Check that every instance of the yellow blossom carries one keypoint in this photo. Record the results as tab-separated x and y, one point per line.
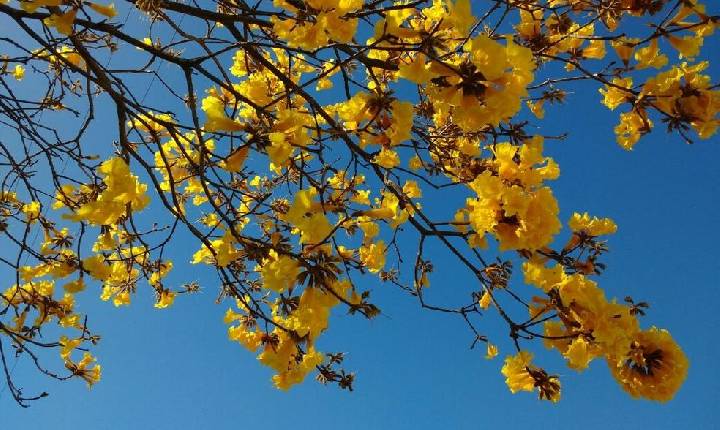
411	189
516	372
387	158
485	300
654	368
165	299
521	375
62	22
19	72
279	272
650	56
618	93
492	351
31	211
687	46
372	256
107	10
122	190
593	226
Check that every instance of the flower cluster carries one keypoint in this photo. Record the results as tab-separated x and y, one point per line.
292	193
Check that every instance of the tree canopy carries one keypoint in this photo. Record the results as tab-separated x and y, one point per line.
304	145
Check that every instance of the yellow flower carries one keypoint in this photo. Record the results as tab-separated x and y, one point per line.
165	299
411	189
311	316
492	351
31	211
105	242
240	64
107	10
415	163
81	369
249	339
234	162
68	345
485	300
280	149
62	22
122	189
96	267
624	48
488	56
19	72
595	49
545	278
121	297
477	241
402	121
416	71
618	93
297	371
592	226
217	120
387	158
515	370
536	108
33	5
224	252
650	56
632	126
521	375
279	272
323	84
339	29
7	197
152	122
372	256
75	286
578	354
687	47
654	368
530	22
379	213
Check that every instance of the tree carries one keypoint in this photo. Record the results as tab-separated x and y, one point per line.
295	142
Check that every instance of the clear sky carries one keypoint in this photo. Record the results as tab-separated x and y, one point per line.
176	369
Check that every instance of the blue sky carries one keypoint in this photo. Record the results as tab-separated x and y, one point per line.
175	368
